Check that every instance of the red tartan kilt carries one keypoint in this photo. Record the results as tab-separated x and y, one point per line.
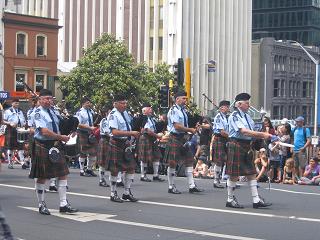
116	161
11	139
148	151
85	147
103	148
42	167
175	153
219	151
240	160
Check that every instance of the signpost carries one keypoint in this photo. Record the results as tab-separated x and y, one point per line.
212	66
4	95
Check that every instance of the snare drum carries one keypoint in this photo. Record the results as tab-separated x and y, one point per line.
22	135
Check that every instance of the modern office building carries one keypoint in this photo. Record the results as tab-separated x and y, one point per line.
297	20
158	31
283	79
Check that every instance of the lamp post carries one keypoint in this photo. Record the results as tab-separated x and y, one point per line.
316	100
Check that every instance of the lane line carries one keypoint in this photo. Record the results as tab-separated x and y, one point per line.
88	217
290	191
239	212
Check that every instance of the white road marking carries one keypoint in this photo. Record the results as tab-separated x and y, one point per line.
239	212
296	192
88	217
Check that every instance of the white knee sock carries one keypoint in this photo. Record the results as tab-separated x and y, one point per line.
128	179
142	166
254	190
113	180
101	174
156	169
21	155
119	177
216	170
171	172
88	163
62	189
40	192
52	182
9	156
189	174
81	163
230	187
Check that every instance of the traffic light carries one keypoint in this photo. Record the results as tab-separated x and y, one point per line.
164	96
178	71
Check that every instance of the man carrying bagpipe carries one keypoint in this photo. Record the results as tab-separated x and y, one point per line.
87	142
177	150
48	158
148	150
14	119
219	145
120	156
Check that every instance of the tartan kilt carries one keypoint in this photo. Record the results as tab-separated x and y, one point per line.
148	151
103	149
42	167
116	161
176	153
85	147
11	140
219	151
240	159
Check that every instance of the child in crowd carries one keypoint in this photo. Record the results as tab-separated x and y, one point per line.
311	175
201	169
261	164
288	172
284	137
274	159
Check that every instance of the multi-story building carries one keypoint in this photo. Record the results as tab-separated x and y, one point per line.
297	20
283	79
158	31
30	52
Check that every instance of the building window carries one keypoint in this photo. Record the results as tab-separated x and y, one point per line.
151	17
21	44
283	88
40	81
151	43
276	88
160	17
311	90
20	80
276	112
41	45
304	89
160	43
290	89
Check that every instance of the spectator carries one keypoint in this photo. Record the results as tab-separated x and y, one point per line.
284	135
274	158
288	172
311	175
301	141
261	164
201	169
267	126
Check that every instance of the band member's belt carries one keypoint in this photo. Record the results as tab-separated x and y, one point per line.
48	143
220	136
178	135
105	137
243	141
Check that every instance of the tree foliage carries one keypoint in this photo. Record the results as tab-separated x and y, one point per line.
106	69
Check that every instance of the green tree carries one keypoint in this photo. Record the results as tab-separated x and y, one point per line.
106	69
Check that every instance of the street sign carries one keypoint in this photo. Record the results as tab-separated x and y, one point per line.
314	140
212	66
4	95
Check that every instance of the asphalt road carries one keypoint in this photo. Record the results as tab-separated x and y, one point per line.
159	215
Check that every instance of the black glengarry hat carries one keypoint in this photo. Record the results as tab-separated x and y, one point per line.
45	92
224	103
242	97
180	94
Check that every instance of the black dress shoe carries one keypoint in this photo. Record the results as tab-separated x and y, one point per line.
129	197
157	179
82	174
233	204
195	189
145	179
104	184
90	173
53	189
217	185
261	204
68	209
174	190
43	209
115	198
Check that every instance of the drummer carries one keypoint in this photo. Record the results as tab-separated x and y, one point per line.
13	117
